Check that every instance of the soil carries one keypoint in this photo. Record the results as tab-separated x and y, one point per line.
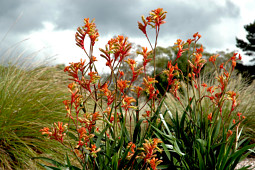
246	162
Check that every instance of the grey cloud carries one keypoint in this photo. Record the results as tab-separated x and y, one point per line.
111	16
187	18
120	17
123	15
114	16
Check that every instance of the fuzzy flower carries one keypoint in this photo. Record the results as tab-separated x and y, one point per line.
156	17
122	85
131	152
204	84
209	117
196	36
145	53
180	44
143	26
138	90
197	63
119	47
213	58
56	133
126	103
149	87
233	60
230	132
150	147
88	29
154	162
155	20
93	150
93	77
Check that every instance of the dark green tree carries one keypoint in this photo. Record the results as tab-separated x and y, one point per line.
248	46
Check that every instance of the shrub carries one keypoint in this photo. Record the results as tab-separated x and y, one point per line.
28	98
119	132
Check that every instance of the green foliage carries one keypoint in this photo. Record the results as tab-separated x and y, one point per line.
115	153
164	55
124	132
29	99
201	145
248	47
246	99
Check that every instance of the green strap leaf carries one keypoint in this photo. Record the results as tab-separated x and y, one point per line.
51	161
201	160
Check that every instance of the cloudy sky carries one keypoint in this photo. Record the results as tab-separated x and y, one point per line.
50	25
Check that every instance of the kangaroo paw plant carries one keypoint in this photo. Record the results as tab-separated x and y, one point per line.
121	122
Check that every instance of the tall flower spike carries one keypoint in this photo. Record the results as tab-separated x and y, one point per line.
74	68
150	147
171	72
157	17
180	44
132	65
138	90
213	58
233	59
93	77
197	63
149	87
88	29
57	131
145	53
141	26
154	162
122	85
196	36
126	103
119	47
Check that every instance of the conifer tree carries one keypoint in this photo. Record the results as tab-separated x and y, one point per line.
248	46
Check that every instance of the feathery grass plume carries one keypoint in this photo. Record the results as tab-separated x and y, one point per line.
245	94
246	105
31	96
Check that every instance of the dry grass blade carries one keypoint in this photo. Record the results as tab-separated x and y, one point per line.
30	98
